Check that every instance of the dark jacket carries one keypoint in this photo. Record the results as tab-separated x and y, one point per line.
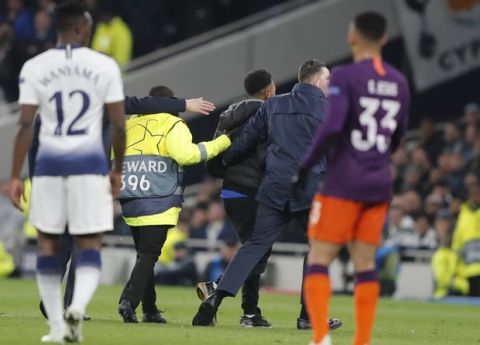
245	176
133	105
288	124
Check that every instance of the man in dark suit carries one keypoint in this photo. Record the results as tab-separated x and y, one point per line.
287	123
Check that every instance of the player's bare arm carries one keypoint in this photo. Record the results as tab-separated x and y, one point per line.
23	141
116	114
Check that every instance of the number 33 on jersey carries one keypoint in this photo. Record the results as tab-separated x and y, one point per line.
367	113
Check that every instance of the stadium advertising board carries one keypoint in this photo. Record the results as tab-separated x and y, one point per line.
442	38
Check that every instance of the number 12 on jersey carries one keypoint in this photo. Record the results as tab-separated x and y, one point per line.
367	119
58	99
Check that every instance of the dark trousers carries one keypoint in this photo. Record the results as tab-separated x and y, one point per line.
67	252
474	283
269	224
140	287
242	213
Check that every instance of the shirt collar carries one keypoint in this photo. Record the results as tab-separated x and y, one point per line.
308	88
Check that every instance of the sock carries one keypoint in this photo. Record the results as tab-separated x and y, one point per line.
317	293
49	285
87	278
367	290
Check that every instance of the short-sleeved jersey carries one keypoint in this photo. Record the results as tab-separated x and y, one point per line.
70	85
366	118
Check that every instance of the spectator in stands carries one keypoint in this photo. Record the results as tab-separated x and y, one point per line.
7	266
470	138
178	234
48	6
112	35
429	139
219	227
9	66
11	224
419	159
443	189
471	114
423	237
182	271
466	239
456	172
43	37
447	268
411	178
199	221
453	142
387	262
399	225
208	191
399	164
433	203
20	17
412	203
215	268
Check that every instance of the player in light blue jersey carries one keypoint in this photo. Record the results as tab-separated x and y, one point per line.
69	86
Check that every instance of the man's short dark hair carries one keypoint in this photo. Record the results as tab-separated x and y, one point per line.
309	68
256	81
371	25
68	14
161	91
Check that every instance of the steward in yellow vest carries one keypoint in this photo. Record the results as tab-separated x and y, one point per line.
448	268
466	240
157	148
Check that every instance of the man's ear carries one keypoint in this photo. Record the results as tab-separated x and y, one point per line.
384	40
352	37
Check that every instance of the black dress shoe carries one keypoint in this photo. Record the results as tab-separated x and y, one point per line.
155	317
126	311
86	317
206	312
333	324
205	289
257	320
303	324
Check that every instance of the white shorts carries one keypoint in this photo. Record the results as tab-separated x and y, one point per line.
84	202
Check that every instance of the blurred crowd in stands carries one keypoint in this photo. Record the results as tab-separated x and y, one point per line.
123	28
436	204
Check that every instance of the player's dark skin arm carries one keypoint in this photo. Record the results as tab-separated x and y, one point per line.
23	141
116	115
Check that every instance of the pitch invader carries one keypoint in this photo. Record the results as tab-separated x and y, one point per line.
69	86
366	119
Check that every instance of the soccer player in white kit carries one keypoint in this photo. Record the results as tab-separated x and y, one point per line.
68	86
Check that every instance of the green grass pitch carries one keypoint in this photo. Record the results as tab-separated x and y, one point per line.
398	323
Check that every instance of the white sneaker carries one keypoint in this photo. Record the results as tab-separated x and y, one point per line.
325	341
73	319
54	337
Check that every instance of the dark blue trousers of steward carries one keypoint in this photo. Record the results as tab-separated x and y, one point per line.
268	226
